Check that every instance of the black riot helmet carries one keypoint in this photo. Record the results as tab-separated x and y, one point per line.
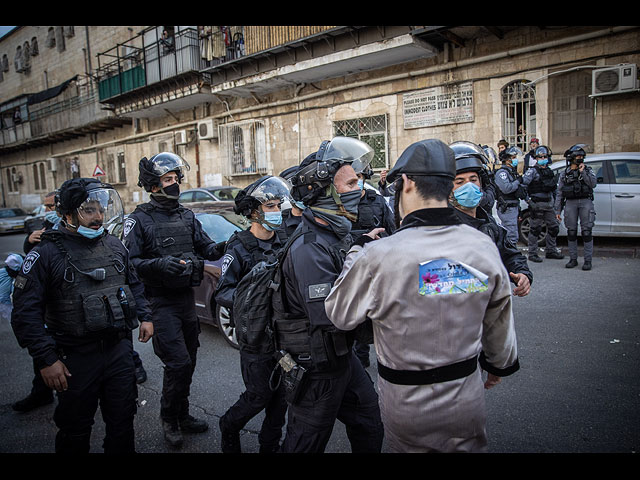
430	157
81	194
317	170
261	191
543	151
152	169
574	151
469	157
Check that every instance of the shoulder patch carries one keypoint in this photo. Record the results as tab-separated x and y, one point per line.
319	291
129	223
31	258
20	282
502	174
226	261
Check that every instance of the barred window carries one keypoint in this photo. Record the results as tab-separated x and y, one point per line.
519	114
371	130
245	147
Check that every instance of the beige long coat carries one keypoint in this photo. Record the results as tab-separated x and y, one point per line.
415	330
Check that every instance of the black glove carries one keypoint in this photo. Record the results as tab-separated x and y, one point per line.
168	266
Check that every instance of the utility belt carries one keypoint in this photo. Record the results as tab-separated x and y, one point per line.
503	204
99	344
426	377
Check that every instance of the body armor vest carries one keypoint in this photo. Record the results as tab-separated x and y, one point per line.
173	237
514	197
369	215
544	186
573	187
325	348
94	295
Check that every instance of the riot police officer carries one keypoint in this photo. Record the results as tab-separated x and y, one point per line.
261	203
575	195
324	380
291	217
509	191
541	188
166	246
78	282
466	197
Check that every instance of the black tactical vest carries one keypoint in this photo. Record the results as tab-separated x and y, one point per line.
370	215
173	236
94	295
513	197
544	185
574	187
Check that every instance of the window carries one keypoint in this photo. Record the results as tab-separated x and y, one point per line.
372	131
245	146
570	110
626	171
519	114
115	168
39	179
13	178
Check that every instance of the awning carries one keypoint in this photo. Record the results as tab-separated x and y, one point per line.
49	92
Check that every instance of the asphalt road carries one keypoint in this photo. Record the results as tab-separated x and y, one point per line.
578	390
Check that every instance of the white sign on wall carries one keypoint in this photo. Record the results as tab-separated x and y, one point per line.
438	106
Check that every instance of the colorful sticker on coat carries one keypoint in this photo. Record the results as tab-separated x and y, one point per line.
446	277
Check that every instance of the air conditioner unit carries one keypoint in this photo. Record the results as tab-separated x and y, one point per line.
611	80
181	137
207	130
52	164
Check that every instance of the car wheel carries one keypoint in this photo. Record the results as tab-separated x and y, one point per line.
224	325
524	225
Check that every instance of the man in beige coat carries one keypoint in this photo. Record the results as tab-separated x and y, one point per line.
444	306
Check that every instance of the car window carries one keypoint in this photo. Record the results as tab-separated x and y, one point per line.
12	212
217	227
226	194
201	197
626	171
598	170
186	197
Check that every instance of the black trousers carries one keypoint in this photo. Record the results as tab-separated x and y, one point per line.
175	342
101	373
347	395
256	371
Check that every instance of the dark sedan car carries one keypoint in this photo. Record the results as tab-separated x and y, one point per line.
220	222
209	194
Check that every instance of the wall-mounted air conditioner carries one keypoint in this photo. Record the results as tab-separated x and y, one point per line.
621	78
207	129
52	164
181	137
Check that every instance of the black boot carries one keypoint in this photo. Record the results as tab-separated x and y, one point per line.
230	439
586	265
535	258
572	263
32	401
555	255
141	375
190	424
172	433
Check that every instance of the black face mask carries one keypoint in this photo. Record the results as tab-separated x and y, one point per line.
11	273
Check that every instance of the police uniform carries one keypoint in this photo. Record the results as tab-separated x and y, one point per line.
243	251
575	194
446	308
151	233
290	222
337	386
93	341
541	187
509	192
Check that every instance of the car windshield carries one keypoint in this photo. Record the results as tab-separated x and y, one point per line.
12	212
218	227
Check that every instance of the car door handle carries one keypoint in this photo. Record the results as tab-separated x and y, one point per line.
625	195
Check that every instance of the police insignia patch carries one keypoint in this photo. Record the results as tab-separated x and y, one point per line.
29	261
128	225
446	277
319	291
226	261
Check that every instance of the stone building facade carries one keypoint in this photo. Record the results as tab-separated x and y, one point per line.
266	97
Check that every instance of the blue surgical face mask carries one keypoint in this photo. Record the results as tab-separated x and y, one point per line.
274	219
90	232
468	195
514	162
361	184
543	161
52	217
299	204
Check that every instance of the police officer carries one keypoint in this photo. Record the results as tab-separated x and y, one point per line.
291	217
79	283
166	246
51	219
541	186
466	197
446	306
324	379
509	191
261	203
575	195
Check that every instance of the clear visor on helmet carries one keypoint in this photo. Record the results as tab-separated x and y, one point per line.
166	162
514	152
103	207
271	189
490	154
349	150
